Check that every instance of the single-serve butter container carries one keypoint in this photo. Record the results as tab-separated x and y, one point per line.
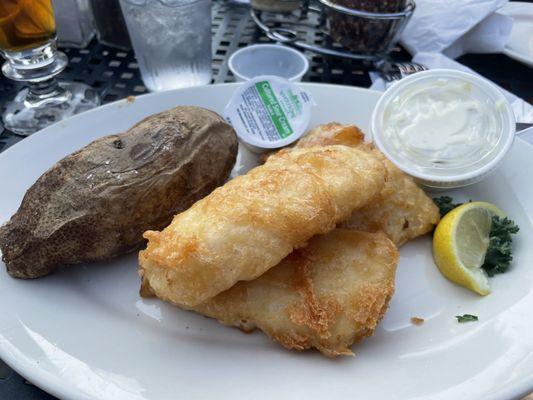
269	112
445	128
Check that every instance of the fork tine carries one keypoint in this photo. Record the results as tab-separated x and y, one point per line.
408	68
401	70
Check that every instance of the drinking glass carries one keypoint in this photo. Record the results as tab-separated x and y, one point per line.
110	25
171	40
75	22
28	43
366	27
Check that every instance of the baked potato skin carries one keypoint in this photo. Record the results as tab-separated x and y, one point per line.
96	203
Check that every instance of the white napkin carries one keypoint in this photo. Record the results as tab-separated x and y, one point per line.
527	135
455	27
489	36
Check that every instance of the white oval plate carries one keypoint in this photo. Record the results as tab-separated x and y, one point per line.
86	334
520	43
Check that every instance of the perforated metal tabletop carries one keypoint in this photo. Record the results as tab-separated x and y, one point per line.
115	74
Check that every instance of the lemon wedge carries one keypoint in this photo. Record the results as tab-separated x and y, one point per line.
460	243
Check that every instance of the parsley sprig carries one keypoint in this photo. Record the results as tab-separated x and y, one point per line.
466	318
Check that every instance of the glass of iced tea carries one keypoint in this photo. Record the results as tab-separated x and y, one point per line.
28	43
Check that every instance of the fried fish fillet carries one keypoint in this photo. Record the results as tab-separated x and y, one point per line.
328	295
249	225
402	210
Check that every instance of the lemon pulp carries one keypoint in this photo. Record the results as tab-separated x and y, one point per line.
460	244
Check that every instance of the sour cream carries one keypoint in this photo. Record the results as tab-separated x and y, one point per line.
443	126
442	123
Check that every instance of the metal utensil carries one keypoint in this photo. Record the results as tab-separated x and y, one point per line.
396	71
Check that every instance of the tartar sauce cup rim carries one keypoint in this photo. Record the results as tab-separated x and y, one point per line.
508	131
274	47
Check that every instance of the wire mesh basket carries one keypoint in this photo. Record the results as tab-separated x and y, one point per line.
355	32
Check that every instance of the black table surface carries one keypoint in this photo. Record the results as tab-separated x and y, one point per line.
114	73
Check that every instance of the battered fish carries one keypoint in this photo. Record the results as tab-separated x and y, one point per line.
250	224
402	210
327	296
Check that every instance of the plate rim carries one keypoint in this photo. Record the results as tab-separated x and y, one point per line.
29	139
51	383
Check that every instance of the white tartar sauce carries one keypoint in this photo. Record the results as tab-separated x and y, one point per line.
442	124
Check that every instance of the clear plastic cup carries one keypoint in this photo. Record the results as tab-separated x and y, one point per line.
439	172
171	40
268	59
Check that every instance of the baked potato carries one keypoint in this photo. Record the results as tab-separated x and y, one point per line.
96	203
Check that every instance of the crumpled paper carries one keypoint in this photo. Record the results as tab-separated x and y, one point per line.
454	27
527	135
441	30
489	36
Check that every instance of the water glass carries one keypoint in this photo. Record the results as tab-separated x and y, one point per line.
110	25
28	44
75	23
171	40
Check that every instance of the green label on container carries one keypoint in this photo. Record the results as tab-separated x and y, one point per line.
273	107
